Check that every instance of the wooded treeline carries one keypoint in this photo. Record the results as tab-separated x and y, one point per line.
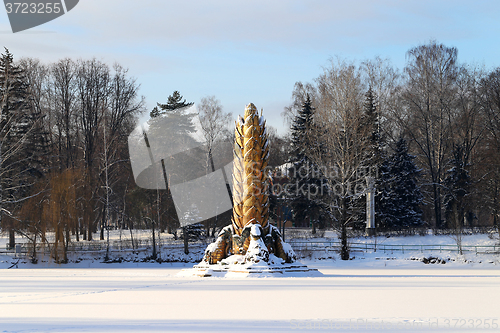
428	135
426	138
55	120
64	157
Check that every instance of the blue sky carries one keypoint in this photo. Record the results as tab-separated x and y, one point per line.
253	51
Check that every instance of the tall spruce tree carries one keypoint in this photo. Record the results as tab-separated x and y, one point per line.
179	125
374	156
308	188
400	196
371	127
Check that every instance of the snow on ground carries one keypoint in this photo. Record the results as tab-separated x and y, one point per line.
154	300
376	291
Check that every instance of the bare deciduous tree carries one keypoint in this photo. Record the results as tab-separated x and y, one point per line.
490	91
62	96
428	100
341	151
214	123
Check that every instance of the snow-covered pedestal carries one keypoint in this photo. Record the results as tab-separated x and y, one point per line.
256	262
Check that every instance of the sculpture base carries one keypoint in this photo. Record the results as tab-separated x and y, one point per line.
235	266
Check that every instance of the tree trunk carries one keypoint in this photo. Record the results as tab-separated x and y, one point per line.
437	206
89	231
130	227
34	260
344	250
459	216
103	223
57	239
495	221
186	240
66	244
12	237
154	255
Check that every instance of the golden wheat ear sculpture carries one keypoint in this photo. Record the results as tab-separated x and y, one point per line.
250	182
250	194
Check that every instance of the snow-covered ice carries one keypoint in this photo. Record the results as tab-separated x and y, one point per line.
155	300
375	292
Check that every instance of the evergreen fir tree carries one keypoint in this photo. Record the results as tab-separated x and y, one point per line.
307	190
374	155
400	196
17	139
174	102
16	128
14	117
173	126
457	183
384	206
37	142
172	116
371	129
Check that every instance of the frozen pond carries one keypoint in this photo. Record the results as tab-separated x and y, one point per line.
347	298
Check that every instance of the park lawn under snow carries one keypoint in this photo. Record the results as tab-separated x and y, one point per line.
375	291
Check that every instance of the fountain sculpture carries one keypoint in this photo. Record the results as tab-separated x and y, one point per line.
250	244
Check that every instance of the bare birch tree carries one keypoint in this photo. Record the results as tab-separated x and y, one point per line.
340	151
214	123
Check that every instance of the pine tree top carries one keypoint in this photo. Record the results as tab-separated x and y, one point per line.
174	102
9	71
7	56
13	86
301	128
173	116
371	105
370	129
402	160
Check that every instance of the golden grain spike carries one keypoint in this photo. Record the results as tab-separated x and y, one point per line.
249	179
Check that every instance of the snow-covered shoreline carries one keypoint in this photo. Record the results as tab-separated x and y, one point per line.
327	257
